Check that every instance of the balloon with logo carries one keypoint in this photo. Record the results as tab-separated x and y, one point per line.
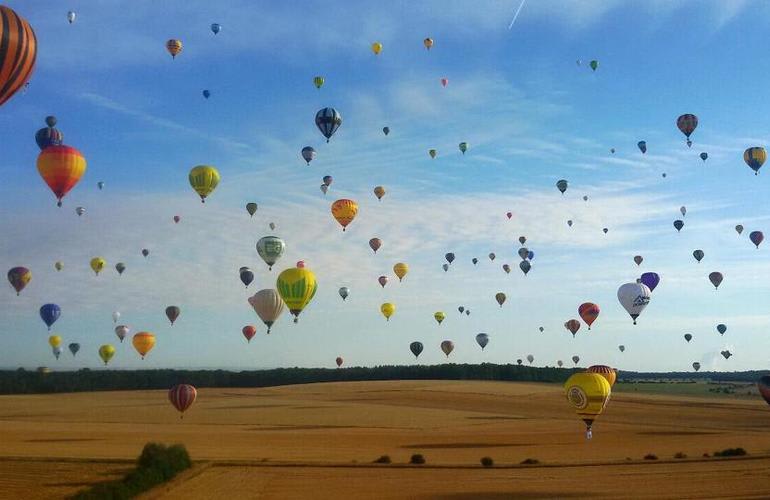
416	348
270	248
49	313
588	393
97	264
204	179
297	287
634	297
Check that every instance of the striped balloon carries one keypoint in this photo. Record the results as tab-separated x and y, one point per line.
182	396
328	120
61	167
605	371
764	388
204	179
687	124
18	52
755	157
297	287
174	47
344	211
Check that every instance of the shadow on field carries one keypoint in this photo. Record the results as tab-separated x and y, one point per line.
450	446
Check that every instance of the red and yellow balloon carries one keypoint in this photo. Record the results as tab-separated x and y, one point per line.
61	167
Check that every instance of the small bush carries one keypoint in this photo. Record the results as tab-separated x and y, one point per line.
650	456
530	461
417	459
680	455
730	452
384	459
487	462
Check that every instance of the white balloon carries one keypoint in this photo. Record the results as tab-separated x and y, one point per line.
115	316
634	297
268	305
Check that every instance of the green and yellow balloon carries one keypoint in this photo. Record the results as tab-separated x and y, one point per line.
204	179
297	287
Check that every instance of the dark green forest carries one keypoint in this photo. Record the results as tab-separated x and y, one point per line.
32	382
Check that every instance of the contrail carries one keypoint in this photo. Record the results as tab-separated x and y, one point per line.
516	14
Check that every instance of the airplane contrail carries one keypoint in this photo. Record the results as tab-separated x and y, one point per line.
516	14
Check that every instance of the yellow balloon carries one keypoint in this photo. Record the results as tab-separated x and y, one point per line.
97	264
387	309
588	393
344	211
376	48
379	192
204	179
55	341
400	269
106	352
439	316
143	342
297	287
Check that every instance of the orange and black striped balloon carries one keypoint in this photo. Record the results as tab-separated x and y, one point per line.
18	52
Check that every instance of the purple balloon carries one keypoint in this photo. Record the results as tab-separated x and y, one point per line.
651	280
756	237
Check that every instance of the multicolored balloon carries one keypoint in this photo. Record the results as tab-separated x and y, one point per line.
297	287
588	311
573	326
18	52
174	47
755	157
588	393
328	120
687	124
61	167
344	211
19	277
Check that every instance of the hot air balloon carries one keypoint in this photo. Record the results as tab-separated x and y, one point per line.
49	136
696	366
634	297
204	179
721	328
270	248
206	93
763	385
58	265
375	244
688	337
589	312
174	47
560	363
439	316
724	353
704	156
249	331
324	188
605	371
756	237
49	313
687	124
80	211
450	257
594	64
755	157
506	268
308	154
475	261
268	305
251	208
642	145
297	288
444	82
115	316
379	192
428	42
445	267
482	339
447	346
344	211
491	256
678	224
387	309
143	342
54	341
318	81
339	361
400	270
344	292
71	17
530	255
605	230
500	298
61	167
569	223
573	326
19	277
121	331
100	185
638	259
612	150
541	329
523	252
386	130
509	215
716	279
247	276
739	229
432	153
328	120
383	280
74	348
698	254
588	393
651	280
621	348
530	358
519	361
182	397
216	28
416	348
172	313
585	198
97	264
106	352
18	53
376	48
463	147
120	267
683	210
176	219
145	253
467	312
561	185
525	266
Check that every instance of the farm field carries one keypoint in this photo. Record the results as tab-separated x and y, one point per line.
320	439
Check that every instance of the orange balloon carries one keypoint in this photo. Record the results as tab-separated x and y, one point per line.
344	211
143	343
61	167
18	52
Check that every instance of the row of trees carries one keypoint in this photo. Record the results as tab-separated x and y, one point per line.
32	382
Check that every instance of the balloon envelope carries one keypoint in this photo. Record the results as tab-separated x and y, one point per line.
482	339
416	348
634	297
651	280
756	237
49	313
18	277
716	278
447	346
268	305
297	287
182	397
328	120
270	248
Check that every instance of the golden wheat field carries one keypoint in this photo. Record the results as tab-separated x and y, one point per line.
319	441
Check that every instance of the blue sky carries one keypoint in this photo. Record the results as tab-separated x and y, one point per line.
530	113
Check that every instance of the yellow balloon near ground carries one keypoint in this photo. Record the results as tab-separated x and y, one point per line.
54	341
400	270
106	352
588	393
204	179
297	287
387	309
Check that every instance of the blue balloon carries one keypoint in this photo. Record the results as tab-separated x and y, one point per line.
721	329
216	28
49	314
531	255
206	94
651	280
678	224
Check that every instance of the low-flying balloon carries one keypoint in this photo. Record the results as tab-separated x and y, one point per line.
74	348
605	371
588	393
696	366
143	342
182	397
482	339
447	346
416	348
268	305
106	352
